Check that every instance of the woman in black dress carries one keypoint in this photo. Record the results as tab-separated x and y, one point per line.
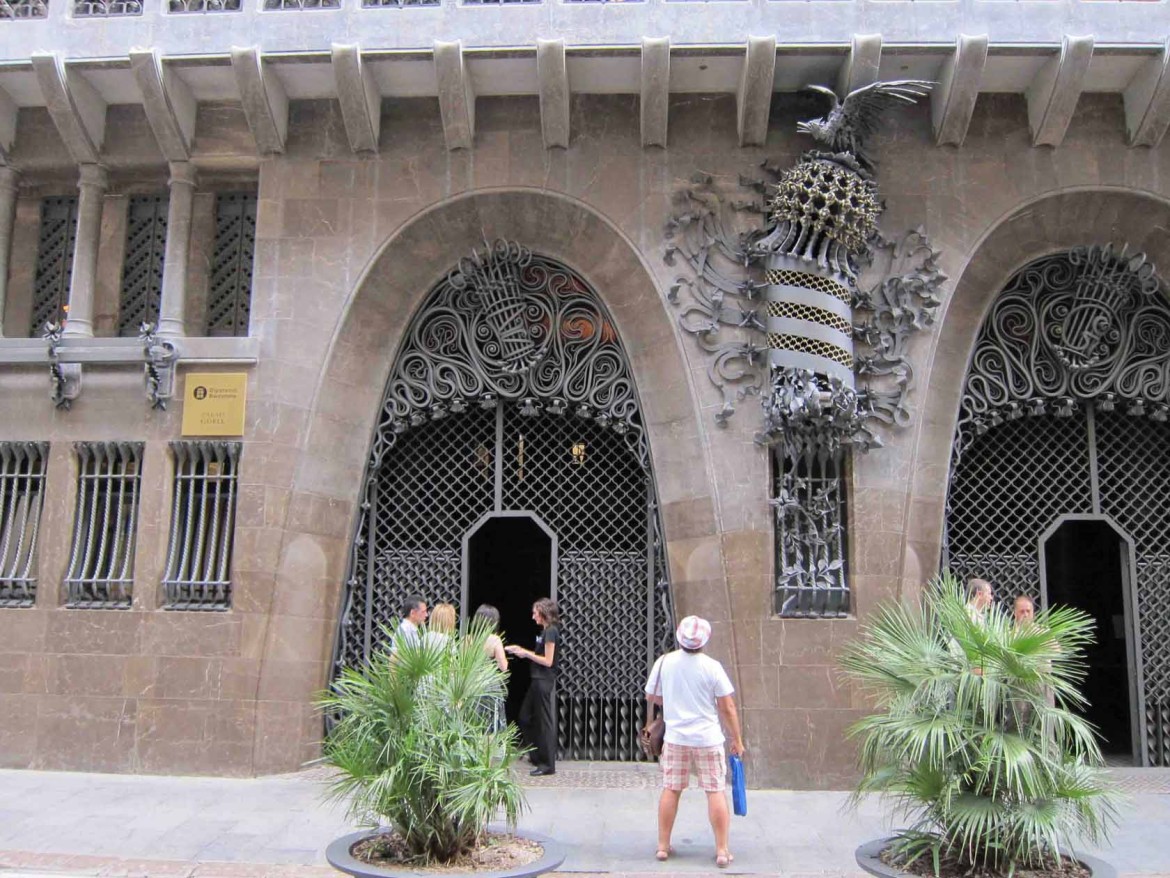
538	713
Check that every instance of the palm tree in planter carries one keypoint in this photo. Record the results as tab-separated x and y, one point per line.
414	751
975	740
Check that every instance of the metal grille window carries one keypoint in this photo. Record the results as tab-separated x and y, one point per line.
58	234
142	267
22	487
302	4
398	4
106	8
24	8
809	498
203	518
181	6
230	296
101	563
497	2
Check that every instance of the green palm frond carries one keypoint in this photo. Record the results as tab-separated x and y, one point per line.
412	746
975	741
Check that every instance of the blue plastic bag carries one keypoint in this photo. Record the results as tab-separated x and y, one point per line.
738	786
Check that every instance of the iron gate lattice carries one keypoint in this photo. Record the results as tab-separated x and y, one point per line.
1065	410
510	374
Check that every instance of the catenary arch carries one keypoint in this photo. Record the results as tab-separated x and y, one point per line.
346	406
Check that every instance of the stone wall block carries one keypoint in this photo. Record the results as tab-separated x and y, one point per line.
190	634
85	733
696	559
256	548
18	730
96	632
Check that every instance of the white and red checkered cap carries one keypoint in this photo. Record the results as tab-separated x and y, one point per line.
693	632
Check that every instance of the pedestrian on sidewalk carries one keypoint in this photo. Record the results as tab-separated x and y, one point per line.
414	615
694	693
538	712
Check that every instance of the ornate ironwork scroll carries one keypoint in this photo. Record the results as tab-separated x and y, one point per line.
811	310
513	392
161	356
1064	410
64	378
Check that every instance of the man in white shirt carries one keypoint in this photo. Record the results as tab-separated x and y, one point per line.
414	614
695	693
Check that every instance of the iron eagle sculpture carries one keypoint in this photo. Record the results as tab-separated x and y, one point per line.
851	122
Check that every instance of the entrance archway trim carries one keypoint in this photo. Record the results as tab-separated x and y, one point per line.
1133	655
464	592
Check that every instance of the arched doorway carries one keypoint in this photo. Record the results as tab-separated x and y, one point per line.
1064	417
512	393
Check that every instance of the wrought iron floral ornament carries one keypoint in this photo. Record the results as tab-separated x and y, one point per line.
812	310
64	378
160	355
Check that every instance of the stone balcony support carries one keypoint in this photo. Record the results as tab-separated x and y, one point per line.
173	307
93	183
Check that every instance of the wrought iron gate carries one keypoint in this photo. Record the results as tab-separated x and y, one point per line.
1065	410
513	393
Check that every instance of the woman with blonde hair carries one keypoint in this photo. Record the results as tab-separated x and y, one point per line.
441	625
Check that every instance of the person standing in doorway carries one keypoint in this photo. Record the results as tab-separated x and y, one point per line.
414	615
695	693
538	713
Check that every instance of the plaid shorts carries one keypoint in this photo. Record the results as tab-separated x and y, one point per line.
708	762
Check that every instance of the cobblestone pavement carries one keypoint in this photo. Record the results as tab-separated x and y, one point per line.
120	826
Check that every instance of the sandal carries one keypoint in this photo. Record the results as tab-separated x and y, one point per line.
724	859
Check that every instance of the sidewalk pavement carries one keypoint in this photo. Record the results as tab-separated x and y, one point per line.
278	827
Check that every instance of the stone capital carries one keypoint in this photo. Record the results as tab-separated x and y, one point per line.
183	174
93	175
9	179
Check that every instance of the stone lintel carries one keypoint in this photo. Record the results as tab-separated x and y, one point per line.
753	98
655	102
76	108
1052	97
359	97
861	66
168	102
456	95
264	99
553	81
1147	101
952	101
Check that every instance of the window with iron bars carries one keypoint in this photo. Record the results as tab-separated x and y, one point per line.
24	8
58	234
398	4
142	266
811	549
22	495
302	4
106	8
203	518
230	295
184	6
101	563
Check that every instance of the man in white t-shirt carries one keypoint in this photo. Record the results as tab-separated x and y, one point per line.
695	693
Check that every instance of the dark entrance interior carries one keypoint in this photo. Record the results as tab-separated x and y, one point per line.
509	565
1084	563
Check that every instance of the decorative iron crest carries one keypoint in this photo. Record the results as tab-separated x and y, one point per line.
64	378
1089	324
492	331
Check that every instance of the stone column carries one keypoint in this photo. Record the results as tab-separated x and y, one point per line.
173	307
8	187
92	184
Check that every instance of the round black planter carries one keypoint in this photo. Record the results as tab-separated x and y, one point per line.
868	853
339	857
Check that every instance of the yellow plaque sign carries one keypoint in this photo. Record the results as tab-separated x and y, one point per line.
213	403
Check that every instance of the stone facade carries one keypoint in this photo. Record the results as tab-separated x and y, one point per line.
348	246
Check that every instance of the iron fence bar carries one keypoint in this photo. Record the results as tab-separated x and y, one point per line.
22	476
1094	476
499	458
371	541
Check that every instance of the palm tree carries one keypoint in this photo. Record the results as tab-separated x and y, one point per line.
413	747
976	740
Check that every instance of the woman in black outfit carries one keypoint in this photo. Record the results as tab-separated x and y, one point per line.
538	713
